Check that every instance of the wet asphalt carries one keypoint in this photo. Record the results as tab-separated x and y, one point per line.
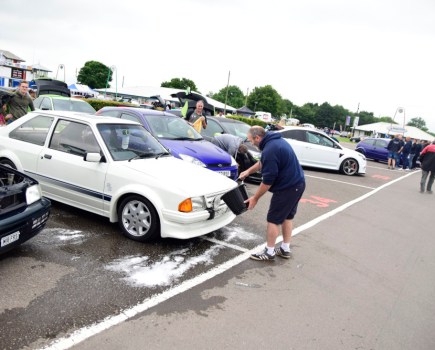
358	279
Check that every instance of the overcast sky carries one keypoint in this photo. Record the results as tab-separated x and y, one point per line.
379	54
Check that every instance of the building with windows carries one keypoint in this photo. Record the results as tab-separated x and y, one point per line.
13	70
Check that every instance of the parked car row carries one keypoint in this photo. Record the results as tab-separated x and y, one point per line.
316	149
117	169
145	169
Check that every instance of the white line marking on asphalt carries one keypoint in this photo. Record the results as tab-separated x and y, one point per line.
110	321
226	244
342	182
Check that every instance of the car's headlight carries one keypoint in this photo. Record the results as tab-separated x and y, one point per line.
362	155
192	204
33	194
233	161
192	160
255	155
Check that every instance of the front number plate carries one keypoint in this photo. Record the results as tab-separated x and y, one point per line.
10	238
225	173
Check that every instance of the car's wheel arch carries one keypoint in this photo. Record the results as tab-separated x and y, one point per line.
360	150
11	161
132	190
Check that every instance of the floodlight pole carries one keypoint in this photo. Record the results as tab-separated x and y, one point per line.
62	67
226	95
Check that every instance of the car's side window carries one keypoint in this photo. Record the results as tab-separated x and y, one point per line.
74	138
45	104
130	117
369	142
318	139
34	131
212	129
294	134
381	143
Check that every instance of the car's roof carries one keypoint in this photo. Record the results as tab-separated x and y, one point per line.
226	120
143	111
294	127
61	98
86	117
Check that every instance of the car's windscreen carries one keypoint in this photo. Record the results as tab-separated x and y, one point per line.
126	141
171	128
72	105
237	129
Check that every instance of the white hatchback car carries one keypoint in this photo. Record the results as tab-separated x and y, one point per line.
315	149
117	169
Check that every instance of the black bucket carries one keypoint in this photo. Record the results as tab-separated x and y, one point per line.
235	199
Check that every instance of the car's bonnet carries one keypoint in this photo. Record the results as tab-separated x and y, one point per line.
203	150
184	177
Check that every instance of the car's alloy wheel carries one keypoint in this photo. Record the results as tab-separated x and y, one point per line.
349	166
138	219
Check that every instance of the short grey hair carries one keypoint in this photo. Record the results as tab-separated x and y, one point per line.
257	130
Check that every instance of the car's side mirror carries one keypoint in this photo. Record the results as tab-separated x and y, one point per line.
92	157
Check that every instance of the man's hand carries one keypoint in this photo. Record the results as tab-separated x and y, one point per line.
8	116
244	174
252	202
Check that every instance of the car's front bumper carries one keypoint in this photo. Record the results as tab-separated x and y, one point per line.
188	225
18	227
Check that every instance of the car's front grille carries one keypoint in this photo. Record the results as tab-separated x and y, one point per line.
215	198
11	200
218	165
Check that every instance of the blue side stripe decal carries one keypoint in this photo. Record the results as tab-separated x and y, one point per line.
71	186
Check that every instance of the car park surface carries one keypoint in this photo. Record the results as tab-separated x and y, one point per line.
23	210
179	137
315	149
86	279
116	169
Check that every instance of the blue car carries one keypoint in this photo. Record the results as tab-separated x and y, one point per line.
374	148
179	137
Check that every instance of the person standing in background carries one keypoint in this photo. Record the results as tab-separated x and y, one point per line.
406	150
427	158
20	103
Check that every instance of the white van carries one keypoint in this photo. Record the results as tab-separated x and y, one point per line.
264	116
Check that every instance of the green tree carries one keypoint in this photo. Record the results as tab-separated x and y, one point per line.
94	74
288	108
306	113
385	120
418	123
235	97
366	118
177	83
325	115
266	99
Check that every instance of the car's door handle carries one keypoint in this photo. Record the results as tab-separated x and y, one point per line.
48	156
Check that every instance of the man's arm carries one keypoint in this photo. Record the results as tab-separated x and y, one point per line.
31	105
256	167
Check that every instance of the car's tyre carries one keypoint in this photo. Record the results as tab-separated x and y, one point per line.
138	219
7	162
349	166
